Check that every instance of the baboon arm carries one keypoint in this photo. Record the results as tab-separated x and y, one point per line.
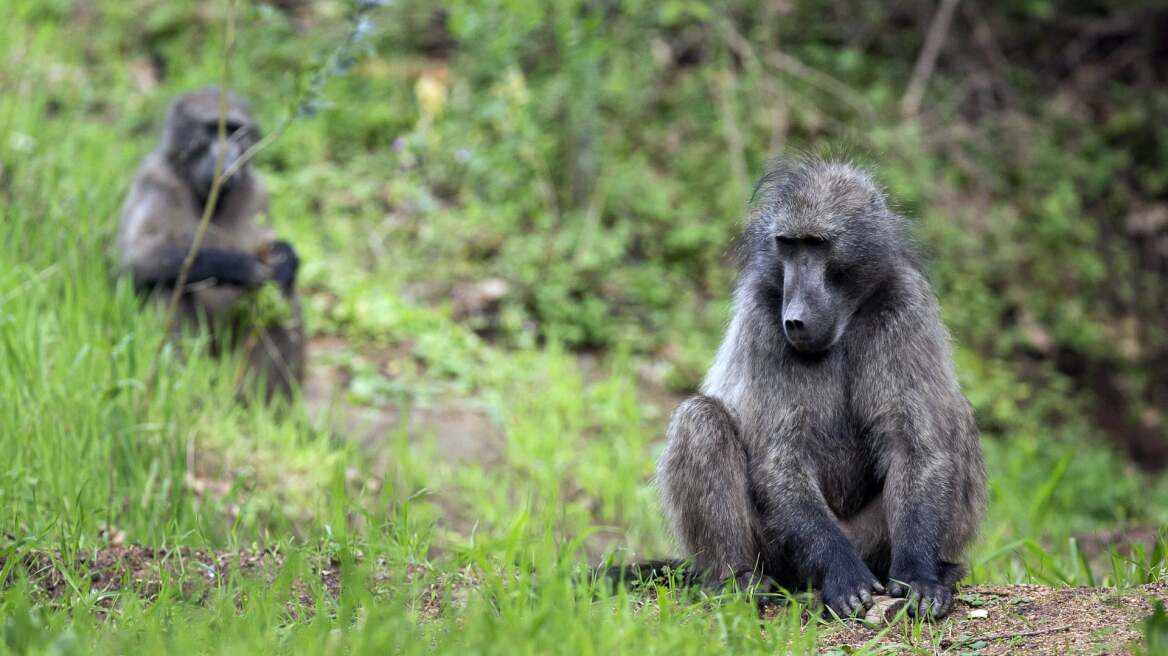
800	522
223	266
157	235
918	503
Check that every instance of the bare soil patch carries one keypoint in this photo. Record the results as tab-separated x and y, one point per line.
193	573
1021	619
461	429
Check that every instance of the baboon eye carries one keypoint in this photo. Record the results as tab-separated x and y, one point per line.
231	127
786	241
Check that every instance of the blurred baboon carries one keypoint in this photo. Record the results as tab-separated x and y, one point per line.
831	444
238	254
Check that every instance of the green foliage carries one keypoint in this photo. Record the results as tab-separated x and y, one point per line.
1156	631
264	306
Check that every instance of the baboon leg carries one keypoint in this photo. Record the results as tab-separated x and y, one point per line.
274	367
706	490
808	535
870	534
276	359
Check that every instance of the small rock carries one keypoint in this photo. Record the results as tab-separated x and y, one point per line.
115	536
144	74
479	298
978	614
883	610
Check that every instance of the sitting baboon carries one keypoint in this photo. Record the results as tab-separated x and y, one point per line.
831	445
238	254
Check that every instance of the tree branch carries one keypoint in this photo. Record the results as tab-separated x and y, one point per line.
910	103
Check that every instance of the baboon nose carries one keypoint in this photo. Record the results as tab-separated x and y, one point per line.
793	325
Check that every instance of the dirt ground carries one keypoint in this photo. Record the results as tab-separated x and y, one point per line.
460	428
986	620
1021	619
190	573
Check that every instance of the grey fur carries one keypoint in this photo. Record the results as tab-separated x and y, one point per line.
238	253
849	465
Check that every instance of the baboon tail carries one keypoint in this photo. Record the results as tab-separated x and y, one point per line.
649	572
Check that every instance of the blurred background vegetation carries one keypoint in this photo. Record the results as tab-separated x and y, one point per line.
531	208
597	156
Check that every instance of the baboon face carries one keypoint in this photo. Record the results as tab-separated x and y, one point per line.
832	236
192	141
814	313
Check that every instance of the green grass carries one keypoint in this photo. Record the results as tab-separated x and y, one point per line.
501	547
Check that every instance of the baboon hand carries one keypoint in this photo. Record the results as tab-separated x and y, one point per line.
849	593
284	263
927	599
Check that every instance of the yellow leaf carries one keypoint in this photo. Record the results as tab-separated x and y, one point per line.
431	91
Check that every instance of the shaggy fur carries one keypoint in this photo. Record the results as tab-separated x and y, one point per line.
238	253
830	444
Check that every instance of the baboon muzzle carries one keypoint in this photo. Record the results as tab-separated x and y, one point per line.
809	320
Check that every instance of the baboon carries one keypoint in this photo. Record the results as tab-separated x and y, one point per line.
238	254
830	444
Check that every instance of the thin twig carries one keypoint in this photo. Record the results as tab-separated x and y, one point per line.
910	103
261	337
725	87
208	208
818	78
983	36
1024	634
306	104
32	281
742	47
